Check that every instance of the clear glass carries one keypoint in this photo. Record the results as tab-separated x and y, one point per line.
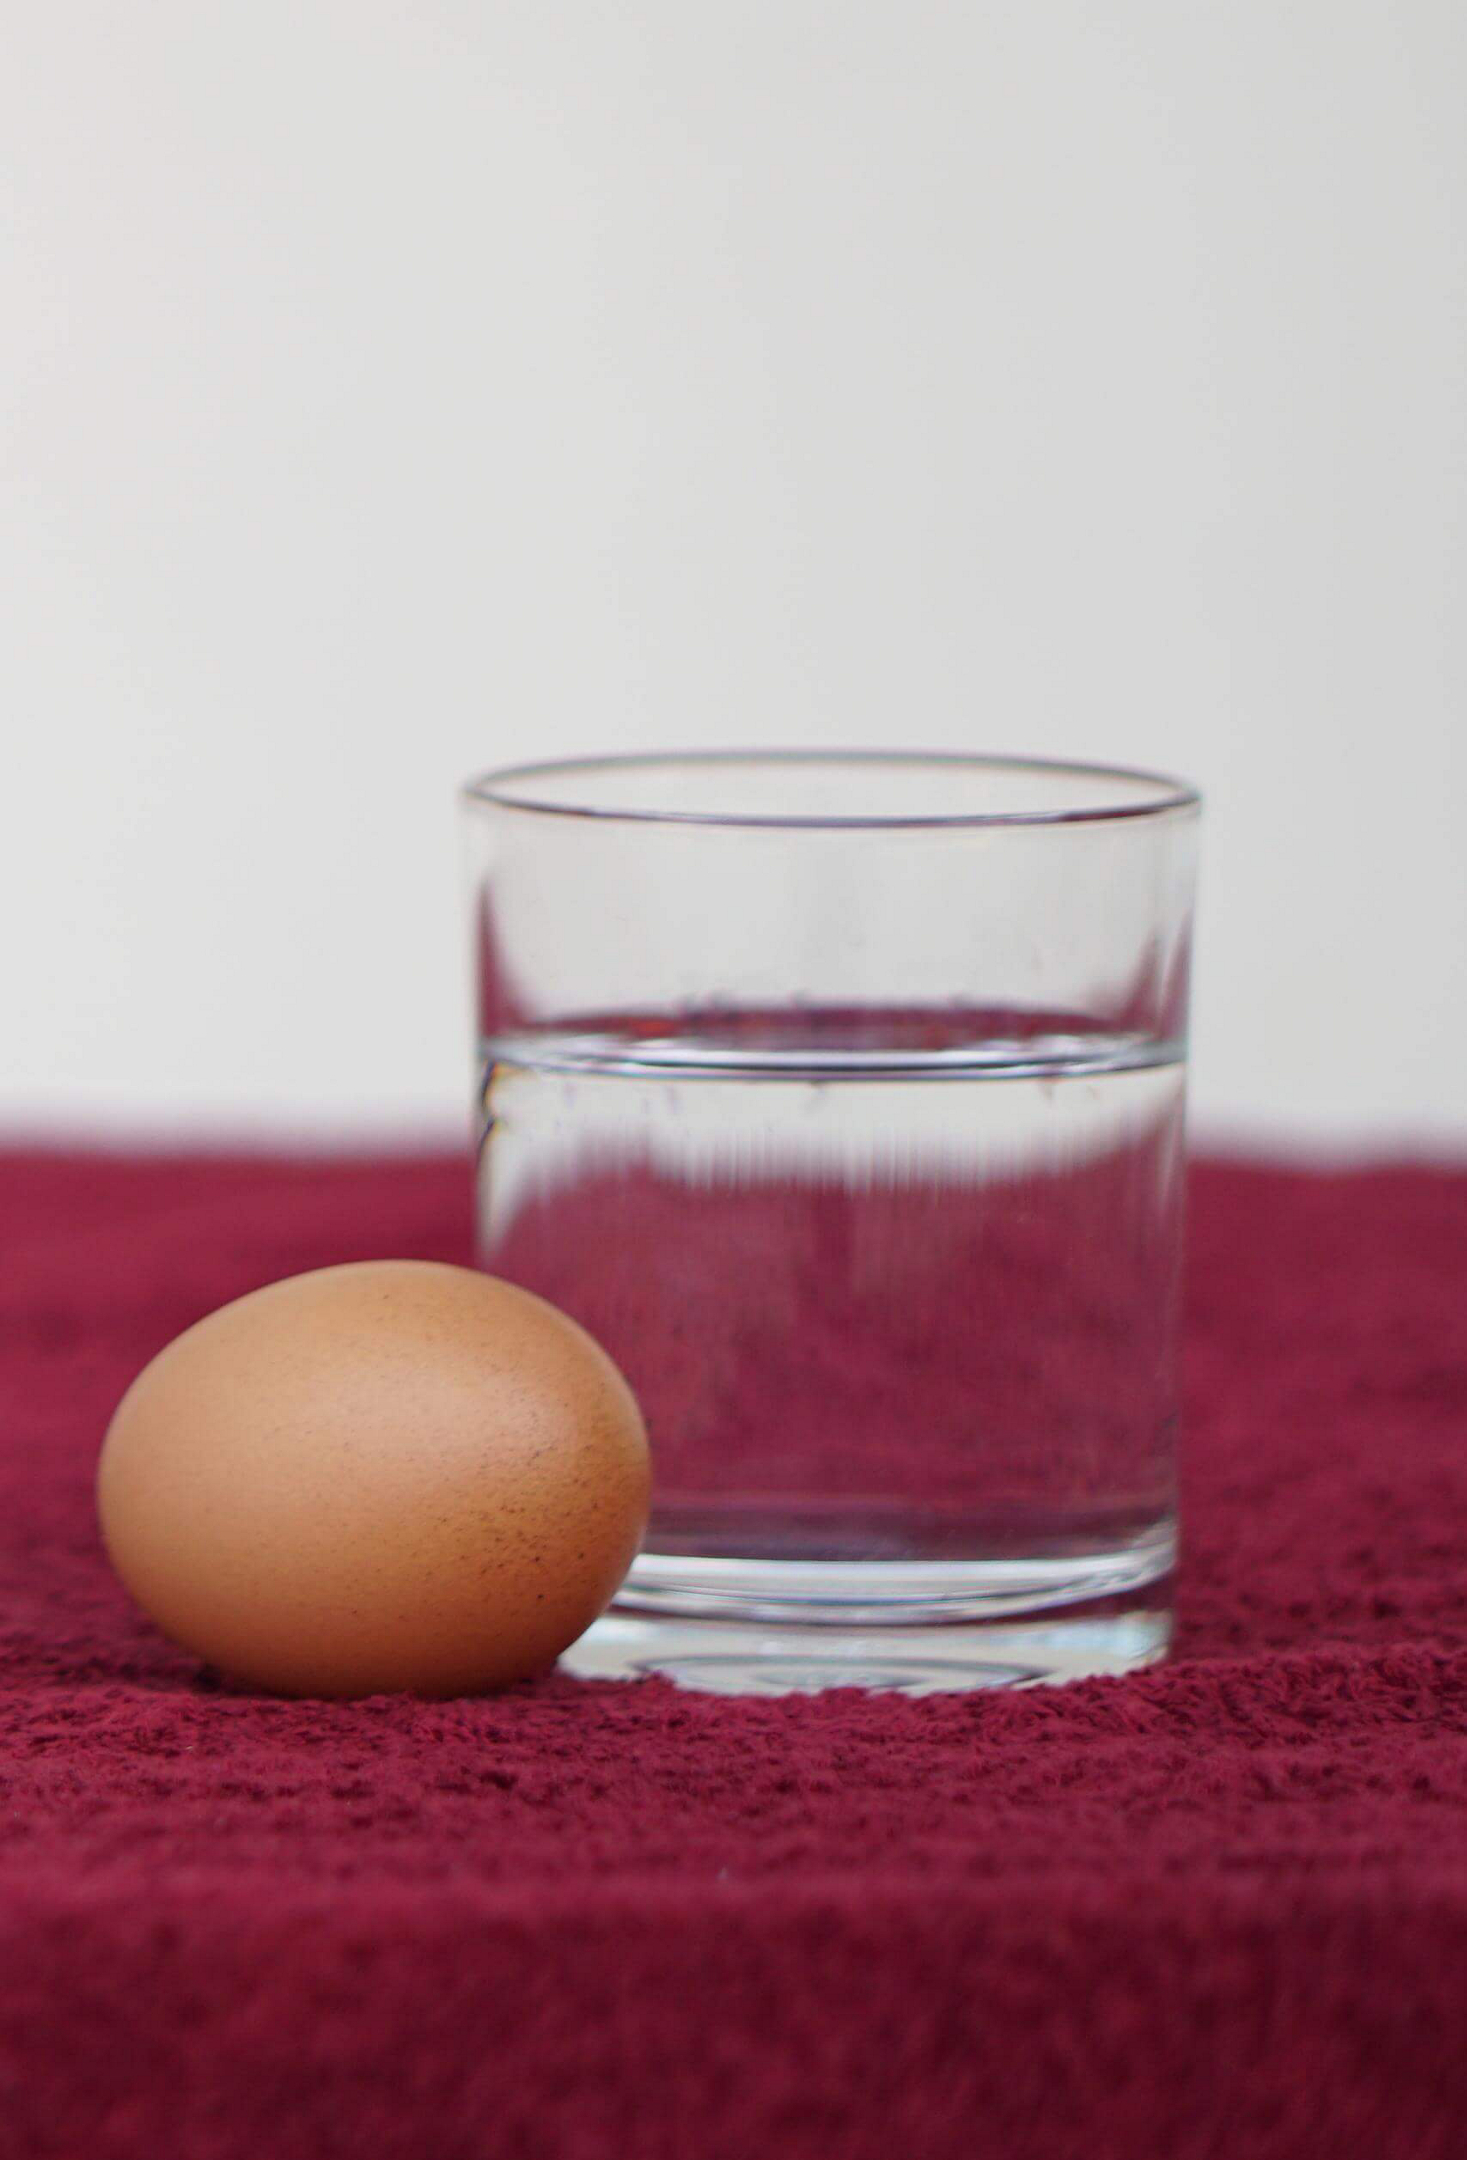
841	1098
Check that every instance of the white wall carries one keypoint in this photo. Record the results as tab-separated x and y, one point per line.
390	390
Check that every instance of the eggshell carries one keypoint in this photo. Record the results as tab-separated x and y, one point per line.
394	1475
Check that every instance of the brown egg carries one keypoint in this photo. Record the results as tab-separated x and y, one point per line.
387	1476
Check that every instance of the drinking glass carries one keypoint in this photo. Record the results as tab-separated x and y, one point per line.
840	1096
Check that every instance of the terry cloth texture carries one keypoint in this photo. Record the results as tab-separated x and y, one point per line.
1217	1911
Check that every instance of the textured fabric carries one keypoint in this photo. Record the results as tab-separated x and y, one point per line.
1219	1909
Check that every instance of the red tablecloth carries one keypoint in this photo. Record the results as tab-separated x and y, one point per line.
1219	1909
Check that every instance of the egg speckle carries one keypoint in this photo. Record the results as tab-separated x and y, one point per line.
388	1476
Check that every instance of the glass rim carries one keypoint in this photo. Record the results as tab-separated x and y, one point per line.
497	790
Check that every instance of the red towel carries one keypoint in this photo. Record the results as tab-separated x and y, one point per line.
1215	1910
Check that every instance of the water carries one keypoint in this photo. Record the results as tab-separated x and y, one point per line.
898	1295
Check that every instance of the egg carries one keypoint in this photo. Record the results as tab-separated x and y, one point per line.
388	1476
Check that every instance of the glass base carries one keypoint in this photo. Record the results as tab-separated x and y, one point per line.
763	1627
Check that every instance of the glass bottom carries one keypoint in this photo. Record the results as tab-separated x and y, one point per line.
779	1627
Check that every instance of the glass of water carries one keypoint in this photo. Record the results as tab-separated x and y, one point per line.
840	1097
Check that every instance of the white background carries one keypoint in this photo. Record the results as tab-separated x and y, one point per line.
393	390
